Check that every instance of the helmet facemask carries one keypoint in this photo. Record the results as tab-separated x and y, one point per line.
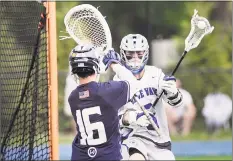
134	51
135	60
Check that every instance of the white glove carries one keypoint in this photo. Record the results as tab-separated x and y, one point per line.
136	118
143	121
169	86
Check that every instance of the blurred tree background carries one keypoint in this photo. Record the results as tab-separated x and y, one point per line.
205	69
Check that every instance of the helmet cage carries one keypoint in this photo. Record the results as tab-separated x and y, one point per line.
134	42
134	69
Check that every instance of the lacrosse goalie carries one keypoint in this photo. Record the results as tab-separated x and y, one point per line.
141	139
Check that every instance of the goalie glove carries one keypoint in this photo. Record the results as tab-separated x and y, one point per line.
172	94
135	118
111	57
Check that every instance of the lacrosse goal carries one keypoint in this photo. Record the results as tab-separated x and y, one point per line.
28	81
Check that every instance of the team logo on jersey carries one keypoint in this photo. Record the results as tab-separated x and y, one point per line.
145	92
92	151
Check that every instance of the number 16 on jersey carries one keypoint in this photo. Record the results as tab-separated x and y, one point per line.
86	128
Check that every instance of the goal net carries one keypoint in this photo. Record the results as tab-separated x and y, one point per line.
24	98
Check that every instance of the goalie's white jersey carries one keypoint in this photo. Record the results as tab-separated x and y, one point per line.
149	86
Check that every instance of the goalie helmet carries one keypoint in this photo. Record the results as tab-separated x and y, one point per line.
131	44
84	59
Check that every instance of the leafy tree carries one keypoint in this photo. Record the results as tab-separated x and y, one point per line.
64	46
208	66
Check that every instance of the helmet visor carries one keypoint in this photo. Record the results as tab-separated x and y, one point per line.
134	54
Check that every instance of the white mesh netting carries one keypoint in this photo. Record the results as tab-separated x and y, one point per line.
196	34
85	24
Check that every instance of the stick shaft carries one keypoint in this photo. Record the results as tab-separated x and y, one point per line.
149	118
173	72
179	62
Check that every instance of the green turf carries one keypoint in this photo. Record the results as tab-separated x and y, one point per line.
198	135
202	135
205	158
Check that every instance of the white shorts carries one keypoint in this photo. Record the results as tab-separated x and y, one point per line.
148	149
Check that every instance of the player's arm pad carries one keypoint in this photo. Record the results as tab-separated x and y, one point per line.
124	74
175	100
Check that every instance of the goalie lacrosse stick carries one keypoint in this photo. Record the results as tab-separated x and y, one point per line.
200	27
85	24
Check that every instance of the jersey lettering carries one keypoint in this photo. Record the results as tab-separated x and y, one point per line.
145	92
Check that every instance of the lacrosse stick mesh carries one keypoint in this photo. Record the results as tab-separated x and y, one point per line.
85	24
196	34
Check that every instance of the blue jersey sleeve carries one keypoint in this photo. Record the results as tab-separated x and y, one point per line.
116	93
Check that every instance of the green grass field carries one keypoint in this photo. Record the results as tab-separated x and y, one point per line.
198	135
203	136
205	158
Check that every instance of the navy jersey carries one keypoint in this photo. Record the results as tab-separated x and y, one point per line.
94	107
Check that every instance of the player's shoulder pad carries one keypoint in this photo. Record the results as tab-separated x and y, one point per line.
154	71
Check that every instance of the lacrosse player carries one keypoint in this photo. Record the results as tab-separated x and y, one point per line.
95	106
138	135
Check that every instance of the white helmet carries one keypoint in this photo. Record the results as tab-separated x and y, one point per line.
133	43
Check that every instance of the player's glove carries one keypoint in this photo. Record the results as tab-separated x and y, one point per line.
135	118
111	57
169	86
173	95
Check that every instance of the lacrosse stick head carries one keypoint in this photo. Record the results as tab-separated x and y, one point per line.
86	24
200	27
